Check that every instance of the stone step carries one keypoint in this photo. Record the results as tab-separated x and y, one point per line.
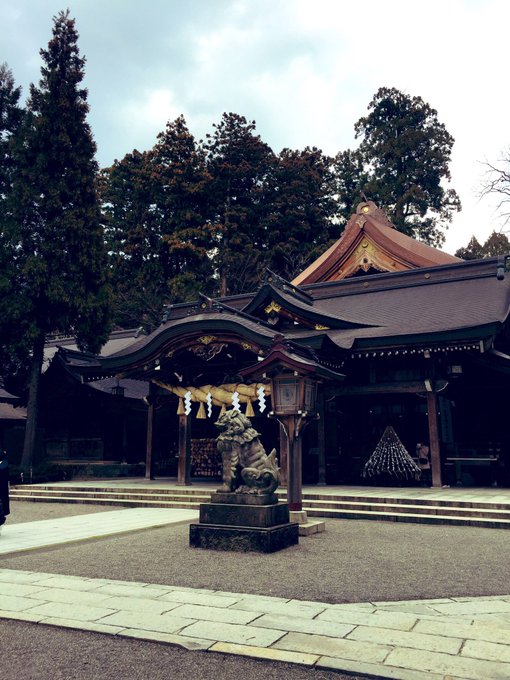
496	515
308	496
411	517
503	512
446	503
36	488
31	493
119	502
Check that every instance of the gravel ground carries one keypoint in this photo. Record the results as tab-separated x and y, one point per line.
33	652
352	561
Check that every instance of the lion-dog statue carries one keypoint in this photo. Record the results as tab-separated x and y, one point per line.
246	466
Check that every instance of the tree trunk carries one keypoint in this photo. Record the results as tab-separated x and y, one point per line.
32	406
223	282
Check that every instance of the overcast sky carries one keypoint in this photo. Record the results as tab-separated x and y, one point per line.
304	70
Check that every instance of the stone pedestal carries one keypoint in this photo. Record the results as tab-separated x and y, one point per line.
244	522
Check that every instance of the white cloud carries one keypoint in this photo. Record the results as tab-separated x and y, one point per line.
140	120
305	71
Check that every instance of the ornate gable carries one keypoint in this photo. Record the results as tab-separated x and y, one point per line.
370	244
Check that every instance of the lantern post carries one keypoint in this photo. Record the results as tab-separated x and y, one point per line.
293	397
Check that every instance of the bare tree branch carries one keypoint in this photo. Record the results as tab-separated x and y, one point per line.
496	182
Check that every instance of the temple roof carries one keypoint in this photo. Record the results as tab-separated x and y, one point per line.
370	244
452	307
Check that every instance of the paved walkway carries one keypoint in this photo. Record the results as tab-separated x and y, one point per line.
448	638
417	640
47	532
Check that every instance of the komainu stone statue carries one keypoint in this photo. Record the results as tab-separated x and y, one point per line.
246	466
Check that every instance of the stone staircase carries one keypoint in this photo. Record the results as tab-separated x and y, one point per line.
345	505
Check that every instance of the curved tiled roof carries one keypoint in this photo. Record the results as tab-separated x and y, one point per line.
396	250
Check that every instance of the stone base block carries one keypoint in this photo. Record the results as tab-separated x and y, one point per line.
312	526
243	539
243	498
244	515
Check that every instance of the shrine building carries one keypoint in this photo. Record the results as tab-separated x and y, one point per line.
381	330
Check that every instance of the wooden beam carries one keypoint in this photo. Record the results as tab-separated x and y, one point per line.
184	459
149	458
294	466
321	440
435	452
415	387
284	455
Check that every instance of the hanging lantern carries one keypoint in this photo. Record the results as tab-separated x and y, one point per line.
293	393
201	411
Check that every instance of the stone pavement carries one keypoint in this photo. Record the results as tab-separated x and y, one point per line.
47	532
446	638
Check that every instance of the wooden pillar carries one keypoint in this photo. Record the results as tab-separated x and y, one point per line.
435	452
149	458
321	440
184	457
284	455
294	465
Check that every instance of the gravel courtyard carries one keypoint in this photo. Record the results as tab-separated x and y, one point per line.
352	561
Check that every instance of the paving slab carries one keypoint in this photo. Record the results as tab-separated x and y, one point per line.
381	619
74	612
221	615
163	623
474	631
298	625
376	670
305	611
448	665
401	638
205	599
486	650
227	632
269	654
335	647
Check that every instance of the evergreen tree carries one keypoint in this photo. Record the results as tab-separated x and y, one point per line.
300	209
473	250
351	179
390	459
407	152
496	244
60	258
184	204
13	349
155	211
132	234
238	161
